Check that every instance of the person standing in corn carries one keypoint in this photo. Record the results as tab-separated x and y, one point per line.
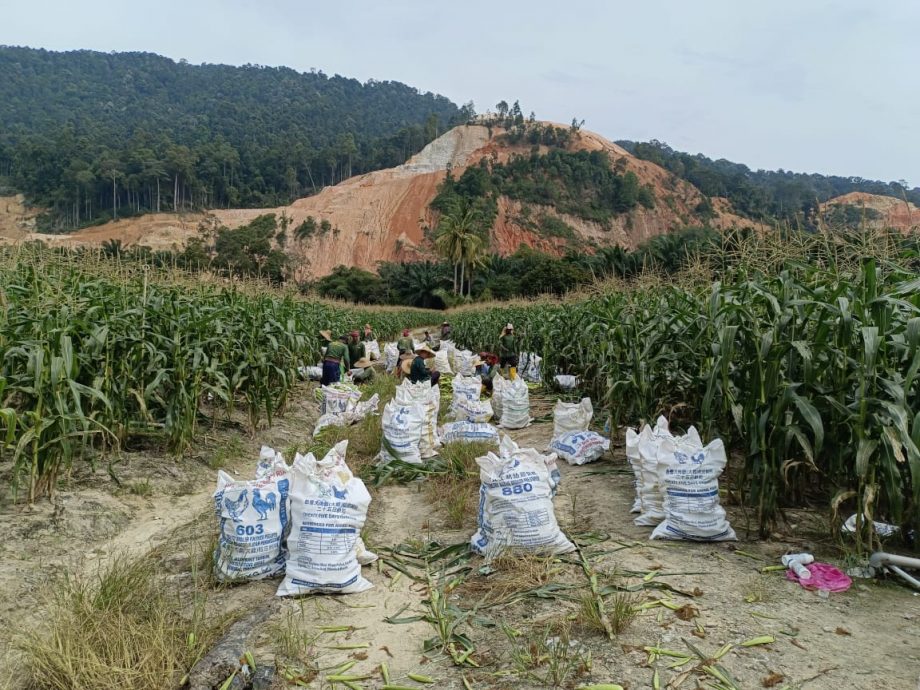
333	361
368	333
508	351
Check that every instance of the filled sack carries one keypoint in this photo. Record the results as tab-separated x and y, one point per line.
566	381
515	404
529	367
402	432
390	357
572	416
352	415
642	452
468	432
688	473
253	518
579	447
477	411
328	510
515	503
372	348
448	347
337	398
310	373
441	362
498	382
463	363
428	396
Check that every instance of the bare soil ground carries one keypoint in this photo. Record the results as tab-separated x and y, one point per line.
713	594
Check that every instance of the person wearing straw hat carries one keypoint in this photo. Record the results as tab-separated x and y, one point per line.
404	344
356	348
336	356
415	368
362	371
508	351
368	334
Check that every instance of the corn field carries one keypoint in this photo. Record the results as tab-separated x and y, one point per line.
810	374
94	353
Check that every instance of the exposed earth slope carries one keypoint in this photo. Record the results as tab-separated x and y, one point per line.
384	215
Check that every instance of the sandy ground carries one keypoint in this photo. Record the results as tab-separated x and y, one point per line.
867	637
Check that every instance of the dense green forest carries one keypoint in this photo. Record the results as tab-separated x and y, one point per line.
763	194
91	135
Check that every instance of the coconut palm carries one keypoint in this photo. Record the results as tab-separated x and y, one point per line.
456	239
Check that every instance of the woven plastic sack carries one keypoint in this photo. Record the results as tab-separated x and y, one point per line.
463	363
390	357
402	432
372	348
253	518
423	393
515	504
529	367
689	476
468	432
328	510
464	388
566	381
441	362
579	447
337	398
572	416
515	404
642	453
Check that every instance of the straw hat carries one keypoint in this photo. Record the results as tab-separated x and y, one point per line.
475	362
326	335
509	327
424	351
362	363
406	365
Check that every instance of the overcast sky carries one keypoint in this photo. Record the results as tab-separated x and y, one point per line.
806	85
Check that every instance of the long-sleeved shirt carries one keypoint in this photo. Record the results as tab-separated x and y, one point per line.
356	351
338	351
507	345
405	344
419	372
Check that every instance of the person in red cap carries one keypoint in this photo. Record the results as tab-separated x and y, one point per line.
356	349
405	344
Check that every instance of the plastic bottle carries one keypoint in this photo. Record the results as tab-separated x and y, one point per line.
798	561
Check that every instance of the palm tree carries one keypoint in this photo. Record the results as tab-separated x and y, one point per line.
459	241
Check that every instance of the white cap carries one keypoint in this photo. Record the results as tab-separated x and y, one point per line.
509	327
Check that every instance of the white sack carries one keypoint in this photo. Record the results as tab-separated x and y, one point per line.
429	397
515	404
579	447
337	398
402	432
689	474
328	509
463	363
572	416
498	383
354	412
311	373
529	367
468	432
372	348
448	347
566	381
477	411
253	517
390	357
515	503
441	362
645	447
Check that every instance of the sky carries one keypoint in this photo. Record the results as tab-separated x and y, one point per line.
804	85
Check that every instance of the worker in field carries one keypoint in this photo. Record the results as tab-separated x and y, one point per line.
362	370
508	351
356	348
486	367
405	344
445	331
368	333
335	358
415	368
427	339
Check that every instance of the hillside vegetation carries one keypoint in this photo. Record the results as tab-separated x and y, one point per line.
765	194
91	134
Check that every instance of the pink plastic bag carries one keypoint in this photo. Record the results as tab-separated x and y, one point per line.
823	576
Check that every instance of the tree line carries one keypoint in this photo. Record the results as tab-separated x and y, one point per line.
94	136
765	195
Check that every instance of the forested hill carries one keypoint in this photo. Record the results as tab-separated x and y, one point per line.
763	194
73	123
